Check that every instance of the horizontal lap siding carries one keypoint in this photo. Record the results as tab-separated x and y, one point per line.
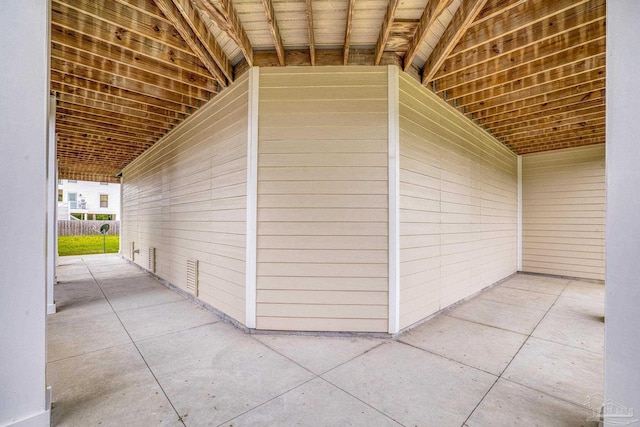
186	197
458	205
323	199
564	212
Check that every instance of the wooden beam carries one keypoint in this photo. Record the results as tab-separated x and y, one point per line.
231	25
494	8
347	32
521	17
124	37
465	95
431	12
191	28
585	42
274	28
383	36
312	43
462	19
551	27
301	57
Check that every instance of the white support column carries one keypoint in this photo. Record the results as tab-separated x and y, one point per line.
519	232
622	299
24	102
394	198
52	203
252	197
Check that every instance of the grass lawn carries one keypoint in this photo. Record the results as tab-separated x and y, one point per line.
83	245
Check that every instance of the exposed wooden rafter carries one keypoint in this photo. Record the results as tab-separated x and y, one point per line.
312	43
347	32
385	30
431	12
462	19
188	23
274	29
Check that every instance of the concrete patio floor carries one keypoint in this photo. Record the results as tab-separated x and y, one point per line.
124	350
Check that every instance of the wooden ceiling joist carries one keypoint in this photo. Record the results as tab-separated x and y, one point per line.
553	26
274	29
385	30
431	12
312	43
462	19
347	32
232	25
547	123
69	110
188	23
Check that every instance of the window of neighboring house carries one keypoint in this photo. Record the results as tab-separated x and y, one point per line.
59	195
73	200
104	200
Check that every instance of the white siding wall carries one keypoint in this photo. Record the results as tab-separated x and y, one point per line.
458	205
564	212
186	196
322	199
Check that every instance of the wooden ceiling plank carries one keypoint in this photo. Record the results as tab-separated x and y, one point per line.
73	136
575	69
549	123
565	143
182	16
107	66
584	42
78	103
88	96
551	27
312	42
85	125
128	19
300	57
494	8
117	81
585	91
347	32
124	37
461	21
523	16
429	16
233	27
539	90
131	58
595	128
80	113
274	29
538	113
385	30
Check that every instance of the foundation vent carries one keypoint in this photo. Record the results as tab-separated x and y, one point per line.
192	276
152	260
132	250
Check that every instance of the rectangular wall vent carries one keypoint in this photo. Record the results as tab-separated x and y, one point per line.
132	250
152	260
192	276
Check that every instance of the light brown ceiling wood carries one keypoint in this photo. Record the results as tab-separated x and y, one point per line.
312	43
301	57
274	29
493	8
228	20
98	127
547	123
385	29
462	19
76	111
523	16
549	135
556	145
347	32
206	49
567	20
431	12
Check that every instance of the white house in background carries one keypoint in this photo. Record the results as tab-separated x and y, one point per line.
88	200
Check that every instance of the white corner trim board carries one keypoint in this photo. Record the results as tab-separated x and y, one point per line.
519	230
394	198
252	197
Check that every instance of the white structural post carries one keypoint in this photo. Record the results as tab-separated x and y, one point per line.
24	103
52	203
394	198
622	286
252	197
519	227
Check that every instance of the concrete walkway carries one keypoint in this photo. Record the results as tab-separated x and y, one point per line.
125	351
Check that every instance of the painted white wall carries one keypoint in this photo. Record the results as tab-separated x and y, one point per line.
23	167
622	301
91	192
